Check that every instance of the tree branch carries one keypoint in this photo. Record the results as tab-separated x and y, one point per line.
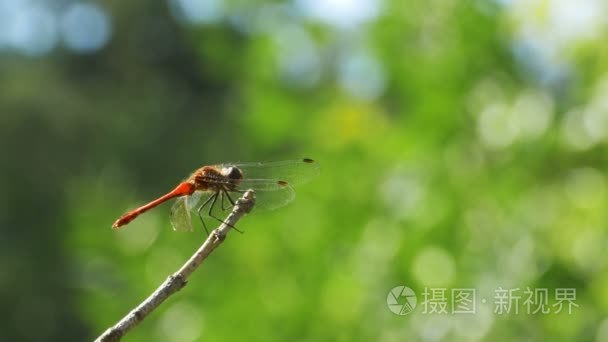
178	280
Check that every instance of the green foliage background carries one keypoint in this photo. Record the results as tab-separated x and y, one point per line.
471	169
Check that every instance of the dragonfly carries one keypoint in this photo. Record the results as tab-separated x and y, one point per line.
211	185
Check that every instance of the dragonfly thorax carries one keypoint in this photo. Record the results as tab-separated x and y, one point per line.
217	179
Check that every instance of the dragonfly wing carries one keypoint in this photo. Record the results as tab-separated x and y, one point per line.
293	171
180	215
183	209
269	194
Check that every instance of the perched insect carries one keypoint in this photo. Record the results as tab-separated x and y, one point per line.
272	183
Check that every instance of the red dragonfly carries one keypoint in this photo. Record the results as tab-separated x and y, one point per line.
272	183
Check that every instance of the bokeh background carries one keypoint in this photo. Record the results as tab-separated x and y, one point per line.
462	145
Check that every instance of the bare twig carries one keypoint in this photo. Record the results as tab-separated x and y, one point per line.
179	279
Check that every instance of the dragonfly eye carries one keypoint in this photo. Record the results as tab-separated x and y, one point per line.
235	173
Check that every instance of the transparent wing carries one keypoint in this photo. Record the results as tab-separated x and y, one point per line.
181	211
269	194
180	215
293	171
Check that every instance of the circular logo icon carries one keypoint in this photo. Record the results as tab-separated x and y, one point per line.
401	300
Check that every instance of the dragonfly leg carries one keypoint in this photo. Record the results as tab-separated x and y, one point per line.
225	193
222	196
222	221
229	199
198	211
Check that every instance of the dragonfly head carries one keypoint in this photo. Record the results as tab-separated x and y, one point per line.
234	173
